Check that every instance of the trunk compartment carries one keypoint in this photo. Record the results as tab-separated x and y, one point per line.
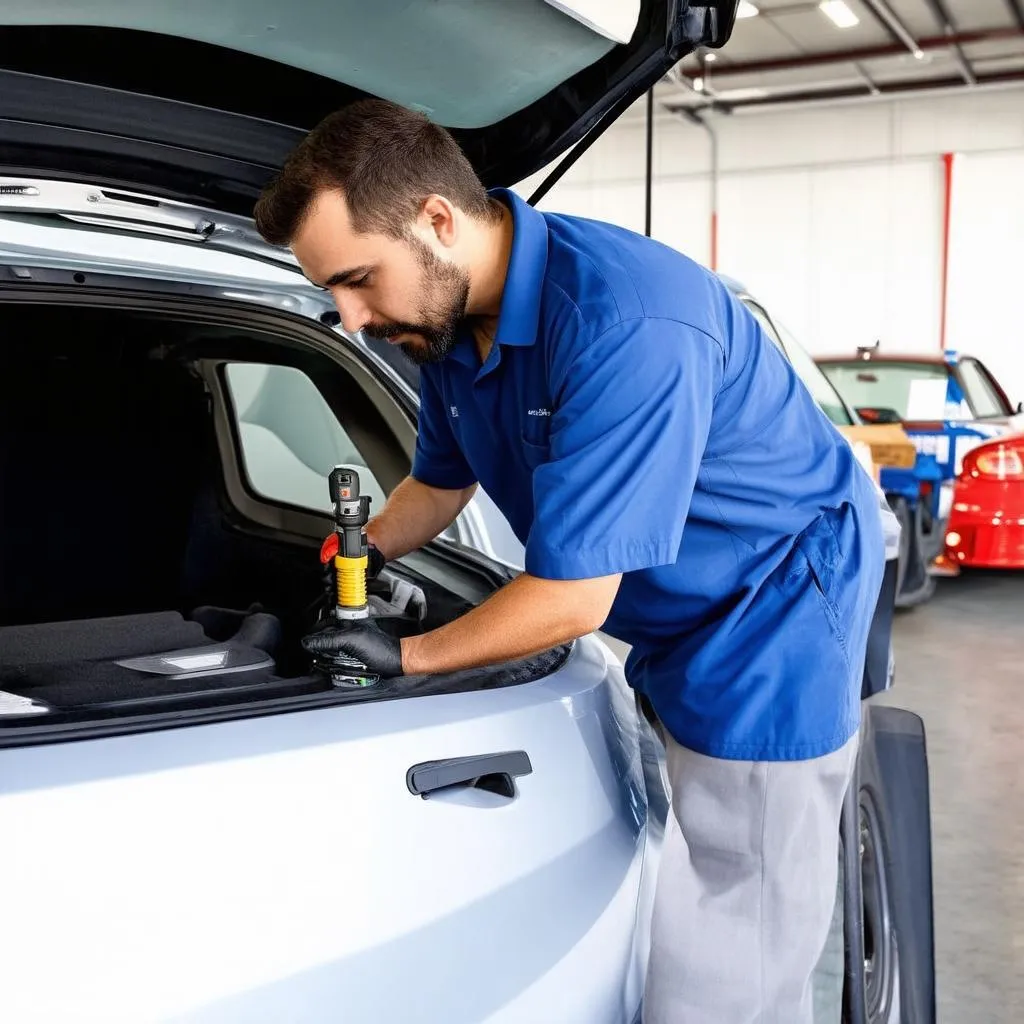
134	592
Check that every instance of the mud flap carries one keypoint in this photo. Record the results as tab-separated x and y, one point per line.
915	586
886	830
878	660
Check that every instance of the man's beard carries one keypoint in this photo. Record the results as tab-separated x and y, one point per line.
440	319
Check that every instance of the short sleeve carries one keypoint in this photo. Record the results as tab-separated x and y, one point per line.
628	432
438	461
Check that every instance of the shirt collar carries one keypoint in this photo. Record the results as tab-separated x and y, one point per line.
519	316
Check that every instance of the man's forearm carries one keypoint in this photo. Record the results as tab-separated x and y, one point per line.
525	617
413	516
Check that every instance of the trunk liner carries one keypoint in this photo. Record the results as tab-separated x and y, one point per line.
73	667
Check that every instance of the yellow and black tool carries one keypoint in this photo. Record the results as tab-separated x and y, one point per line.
346	551
351	514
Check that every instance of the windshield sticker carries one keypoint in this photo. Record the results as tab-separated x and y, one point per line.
927	399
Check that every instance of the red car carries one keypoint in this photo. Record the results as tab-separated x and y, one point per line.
986	525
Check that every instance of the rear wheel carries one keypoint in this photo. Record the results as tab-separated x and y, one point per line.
881	954
887	883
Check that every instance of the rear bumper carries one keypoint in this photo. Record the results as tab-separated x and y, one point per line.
986	526
985	543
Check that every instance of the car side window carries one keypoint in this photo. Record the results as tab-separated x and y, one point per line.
290	439
981	393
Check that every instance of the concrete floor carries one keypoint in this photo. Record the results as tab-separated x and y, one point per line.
960	665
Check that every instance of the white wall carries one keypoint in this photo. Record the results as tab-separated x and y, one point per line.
833	216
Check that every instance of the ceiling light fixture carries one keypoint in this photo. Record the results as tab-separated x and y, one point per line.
839	13
746	10
698	85
710	58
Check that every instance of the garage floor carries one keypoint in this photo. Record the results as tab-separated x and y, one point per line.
961	667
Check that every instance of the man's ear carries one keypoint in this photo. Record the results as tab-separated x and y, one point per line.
438	218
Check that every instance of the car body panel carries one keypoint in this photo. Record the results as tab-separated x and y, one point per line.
262	870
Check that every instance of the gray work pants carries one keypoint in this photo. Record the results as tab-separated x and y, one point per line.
746	888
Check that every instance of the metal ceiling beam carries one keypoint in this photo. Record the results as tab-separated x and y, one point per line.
868	81
1017	10
888	19
948	26
864	52
856	92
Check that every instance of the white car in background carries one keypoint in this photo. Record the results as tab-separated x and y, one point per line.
197	827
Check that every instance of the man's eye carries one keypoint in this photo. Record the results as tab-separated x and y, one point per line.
360	282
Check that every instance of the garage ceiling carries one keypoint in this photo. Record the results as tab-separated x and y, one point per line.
793	53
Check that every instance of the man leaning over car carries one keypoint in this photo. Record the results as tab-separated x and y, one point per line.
673	484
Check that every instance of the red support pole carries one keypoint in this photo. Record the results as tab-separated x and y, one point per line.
948	159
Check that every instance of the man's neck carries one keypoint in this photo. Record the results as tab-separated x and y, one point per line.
489	264
484	328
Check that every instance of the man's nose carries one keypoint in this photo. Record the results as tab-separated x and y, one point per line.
354	313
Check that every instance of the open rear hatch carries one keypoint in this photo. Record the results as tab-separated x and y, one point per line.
203	103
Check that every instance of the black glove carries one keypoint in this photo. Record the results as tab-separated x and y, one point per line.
375	562
362	640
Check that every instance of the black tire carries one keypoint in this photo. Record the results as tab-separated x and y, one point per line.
881	950
890	946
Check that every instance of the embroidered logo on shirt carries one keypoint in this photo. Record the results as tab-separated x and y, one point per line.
455	412
538	412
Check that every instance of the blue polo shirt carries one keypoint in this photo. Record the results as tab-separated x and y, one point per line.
633	418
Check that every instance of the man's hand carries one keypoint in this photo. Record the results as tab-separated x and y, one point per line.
362	641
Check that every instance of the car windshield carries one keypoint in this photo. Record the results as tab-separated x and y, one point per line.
915	390
807	370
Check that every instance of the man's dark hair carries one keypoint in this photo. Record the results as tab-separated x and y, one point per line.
386	160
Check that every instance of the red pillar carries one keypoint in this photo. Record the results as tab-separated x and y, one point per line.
948	159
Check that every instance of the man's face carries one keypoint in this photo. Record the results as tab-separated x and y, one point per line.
400	290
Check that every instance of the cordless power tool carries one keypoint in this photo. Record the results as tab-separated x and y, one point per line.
345	556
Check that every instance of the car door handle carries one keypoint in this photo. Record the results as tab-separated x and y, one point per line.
495	773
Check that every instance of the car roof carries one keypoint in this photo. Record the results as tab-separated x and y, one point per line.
888	357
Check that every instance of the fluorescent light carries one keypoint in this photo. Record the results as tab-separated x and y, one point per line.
698	84
746	10
738	95
710	58
839	13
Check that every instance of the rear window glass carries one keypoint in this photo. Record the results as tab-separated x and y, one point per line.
916	391
289	437
982	396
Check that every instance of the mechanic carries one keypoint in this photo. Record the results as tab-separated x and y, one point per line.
673	483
